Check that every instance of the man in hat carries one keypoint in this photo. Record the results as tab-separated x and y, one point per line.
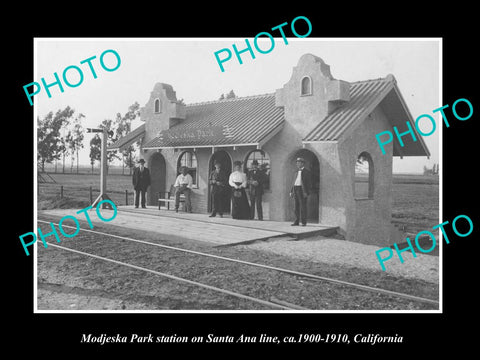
183	185
256	181
218	181
141	181
301	188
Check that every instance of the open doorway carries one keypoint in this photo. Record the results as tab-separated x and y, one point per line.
226	165
312	164
157	167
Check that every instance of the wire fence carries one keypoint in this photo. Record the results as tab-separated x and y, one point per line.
86	193
85	170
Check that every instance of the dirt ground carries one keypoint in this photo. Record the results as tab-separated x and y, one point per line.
73	282
70	281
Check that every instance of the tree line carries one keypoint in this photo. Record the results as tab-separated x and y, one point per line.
60	135
433	171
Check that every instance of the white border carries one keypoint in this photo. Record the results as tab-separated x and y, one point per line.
440	185
35	181
440	310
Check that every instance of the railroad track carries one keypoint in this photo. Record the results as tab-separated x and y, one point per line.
271	302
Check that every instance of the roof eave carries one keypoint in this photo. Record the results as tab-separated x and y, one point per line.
390	80
271	134
412	123
256	144
361	117
398	150
132	137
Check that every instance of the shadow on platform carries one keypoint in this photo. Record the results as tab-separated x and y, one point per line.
284	228
216	231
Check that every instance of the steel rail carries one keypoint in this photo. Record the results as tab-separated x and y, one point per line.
279	305
287	271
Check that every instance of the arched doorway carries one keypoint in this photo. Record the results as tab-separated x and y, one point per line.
312	164
224	158
157	167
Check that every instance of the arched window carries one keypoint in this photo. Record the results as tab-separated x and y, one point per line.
306	86
263	164
363	184
158	107
188	159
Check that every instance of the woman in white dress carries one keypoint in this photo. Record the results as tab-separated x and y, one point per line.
238	182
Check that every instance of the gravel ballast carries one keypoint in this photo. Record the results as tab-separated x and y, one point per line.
351	254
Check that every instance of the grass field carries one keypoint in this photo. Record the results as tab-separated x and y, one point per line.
416	203
415	206
76	190
415	197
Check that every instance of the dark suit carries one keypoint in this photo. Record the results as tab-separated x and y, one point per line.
218	190
140	181
300	195
256	192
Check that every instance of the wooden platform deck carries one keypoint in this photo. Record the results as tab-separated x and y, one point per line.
217	231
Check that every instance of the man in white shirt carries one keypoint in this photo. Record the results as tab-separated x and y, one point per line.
183	185
300	190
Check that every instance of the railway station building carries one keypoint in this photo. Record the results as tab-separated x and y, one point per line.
331	123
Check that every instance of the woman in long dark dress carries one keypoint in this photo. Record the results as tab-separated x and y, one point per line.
238	182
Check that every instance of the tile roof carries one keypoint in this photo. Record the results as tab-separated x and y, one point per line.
255	119
363	95
243	120
128	139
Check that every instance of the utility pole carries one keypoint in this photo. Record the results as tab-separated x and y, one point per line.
103	170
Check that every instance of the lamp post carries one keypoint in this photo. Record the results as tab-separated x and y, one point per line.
103	170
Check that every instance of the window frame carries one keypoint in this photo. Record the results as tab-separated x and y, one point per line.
179	164
246	169
155	102
370	179
310	86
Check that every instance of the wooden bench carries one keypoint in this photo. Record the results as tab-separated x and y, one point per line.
169	197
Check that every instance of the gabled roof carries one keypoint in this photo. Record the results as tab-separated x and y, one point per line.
240	121
365	96
362	95
253	120
128	139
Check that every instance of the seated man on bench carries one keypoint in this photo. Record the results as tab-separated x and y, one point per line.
183	185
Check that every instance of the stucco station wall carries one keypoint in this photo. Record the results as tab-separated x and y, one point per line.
369	220
361	220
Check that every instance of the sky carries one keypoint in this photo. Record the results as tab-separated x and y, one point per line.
189	65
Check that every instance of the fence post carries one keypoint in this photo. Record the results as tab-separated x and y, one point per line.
126	197
91	195
61	191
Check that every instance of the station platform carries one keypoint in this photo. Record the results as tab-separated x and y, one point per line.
216	231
